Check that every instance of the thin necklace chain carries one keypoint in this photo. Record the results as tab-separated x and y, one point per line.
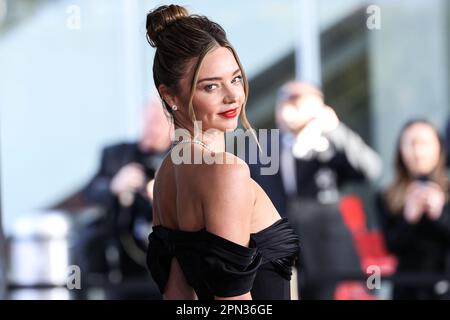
204	145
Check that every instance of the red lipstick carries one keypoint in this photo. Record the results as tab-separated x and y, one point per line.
231	113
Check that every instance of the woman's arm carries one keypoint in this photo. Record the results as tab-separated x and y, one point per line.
228	201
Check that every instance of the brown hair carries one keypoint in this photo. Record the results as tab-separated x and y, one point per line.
180	38
395	194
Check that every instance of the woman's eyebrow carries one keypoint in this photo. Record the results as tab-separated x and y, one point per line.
217	78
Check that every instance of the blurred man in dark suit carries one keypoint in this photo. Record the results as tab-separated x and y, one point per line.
121	185
318	155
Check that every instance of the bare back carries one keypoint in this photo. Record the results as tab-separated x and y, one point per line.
178	198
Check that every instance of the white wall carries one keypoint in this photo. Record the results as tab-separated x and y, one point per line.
261	31
409	70
62	96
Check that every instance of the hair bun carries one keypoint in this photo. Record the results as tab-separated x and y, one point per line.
159	18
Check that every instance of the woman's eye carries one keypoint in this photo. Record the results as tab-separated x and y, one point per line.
210	87
237	79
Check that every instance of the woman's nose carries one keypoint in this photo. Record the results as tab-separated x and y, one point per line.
231	95
230	99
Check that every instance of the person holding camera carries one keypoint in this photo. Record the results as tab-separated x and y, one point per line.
318	156
414	213
122	186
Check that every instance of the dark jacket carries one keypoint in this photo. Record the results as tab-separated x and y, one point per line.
119	220
422	249
113	159
423	246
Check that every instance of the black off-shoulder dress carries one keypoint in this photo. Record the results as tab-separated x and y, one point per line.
215	266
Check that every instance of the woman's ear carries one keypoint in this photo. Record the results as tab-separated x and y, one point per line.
167	95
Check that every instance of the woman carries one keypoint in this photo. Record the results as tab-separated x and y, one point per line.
216	234
414	210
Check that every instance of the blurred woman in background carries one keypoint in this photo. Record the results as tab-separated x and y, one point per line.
414	210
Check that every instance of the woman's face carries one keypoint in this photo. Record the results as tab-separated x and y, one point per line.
420	149
219	93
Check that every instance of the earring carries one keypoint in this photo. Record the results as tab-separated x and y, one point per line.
174	108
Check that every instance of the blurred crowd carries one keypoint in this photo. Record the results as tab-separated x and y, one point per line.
407	247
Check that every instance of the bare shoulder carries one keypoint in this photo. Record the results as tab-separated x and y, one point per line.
225	162
228	171
228	198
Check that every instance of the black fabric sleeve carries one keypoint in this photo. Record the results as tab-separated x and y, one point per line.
229	269
210	262
159	257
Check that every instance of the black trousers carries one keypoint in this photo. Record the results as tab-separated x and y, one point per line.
327	251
